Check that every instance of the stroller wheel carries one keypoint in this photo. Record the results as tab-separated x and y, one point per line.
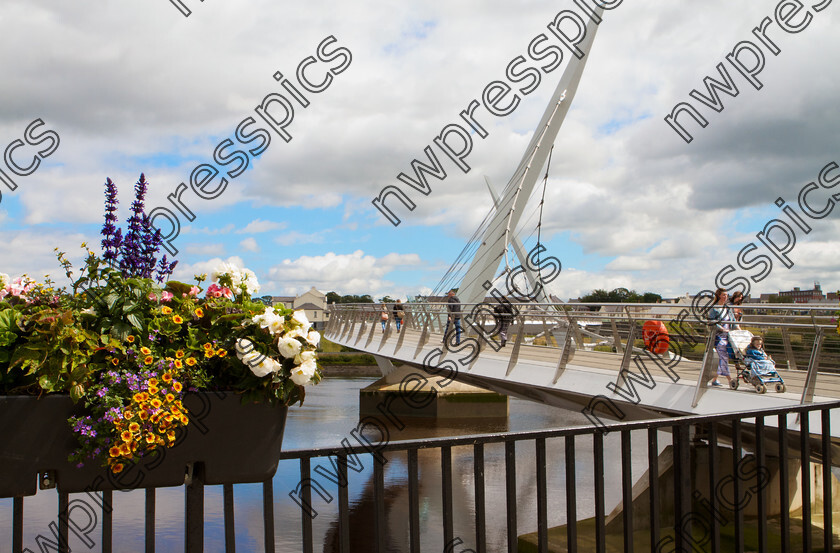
780	387
734	383
760	388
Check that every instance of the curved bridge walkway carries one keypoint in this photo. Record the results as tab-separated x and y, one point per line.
551	355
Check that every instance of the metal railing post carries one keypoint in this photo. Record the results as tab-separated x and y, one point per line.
811	378
788	349
700	389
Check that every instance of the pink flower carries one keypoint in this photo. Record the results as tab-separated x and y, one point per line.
194	291
216	291
166	296
152	296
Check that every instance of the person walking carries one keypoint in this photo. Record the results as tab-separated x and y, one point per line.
383	317
504	316
399	314
721	314
453	305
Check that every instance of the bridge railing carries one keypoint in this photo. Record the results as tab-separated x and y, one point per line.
484	492
799	337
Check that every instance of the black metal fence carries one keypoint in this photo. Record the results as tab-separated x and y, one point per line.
712	490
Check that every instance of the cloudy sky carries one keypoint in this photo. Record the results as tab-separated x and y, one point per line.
134	86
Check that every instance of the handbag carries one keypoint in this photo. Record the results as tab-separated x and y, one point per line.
384	316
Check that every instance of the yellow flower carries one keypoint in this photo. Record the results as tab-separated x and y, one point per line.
209	353
166	310
179	354
177	387
153	382
144	415
125	449
138	397
184	419
145	351
126	435
133	428
148	360
128	414
191	361
150	438
170	398
178	365
175	410
167	377
156	403
129	339
153	389
177	319
115	361
199	312
171	435
114	451
117	468
221	352
208	345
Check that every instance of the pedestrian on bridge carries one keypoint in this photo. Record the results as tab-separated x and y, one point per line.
453	305
399	314
723	317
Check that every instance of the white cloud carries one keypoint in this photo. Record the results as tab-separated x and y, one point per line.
249	245
354	273
258	225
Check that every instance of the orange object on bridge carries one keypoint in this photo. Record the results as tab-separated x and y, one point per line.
656	337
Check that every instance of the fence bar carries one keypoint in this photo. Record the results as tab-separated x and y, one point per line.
343	506
446	493
571	495
17	524
268	515
828	534
478	471
510	485
542	497
600	530
784	498
194	507
306	499
736	486
379	522
761	492
713	479
626	486
653	483
805	456
150	520
107	520
63	520
682	498
230	526
413	503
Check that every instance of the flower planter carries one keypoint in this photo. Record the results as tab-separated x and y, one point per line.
236	443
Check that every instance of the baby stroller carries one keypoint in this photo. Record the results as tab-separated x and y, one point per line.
760	373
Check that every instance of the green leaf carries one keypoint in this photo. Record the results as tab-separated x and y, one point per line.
135	321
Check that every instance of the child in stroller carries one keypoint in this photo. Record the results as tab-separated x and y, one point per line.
761	368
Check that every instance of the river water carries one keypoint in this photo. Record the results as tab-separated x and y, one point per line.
328	415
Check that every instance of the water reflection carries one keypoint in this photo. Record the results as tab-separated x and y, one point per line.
327	417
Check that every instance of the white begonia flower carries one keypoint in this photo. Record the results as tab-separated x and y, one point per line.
304	356
314	338
303	373
249	278
297	332
300	317
269	319
244	347
288	347
264	368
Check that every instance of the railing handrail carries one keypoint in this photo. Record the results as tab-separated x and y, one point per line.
499	437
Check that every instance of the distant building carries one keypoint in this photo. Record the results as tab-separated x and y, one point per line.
312	302
803	296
